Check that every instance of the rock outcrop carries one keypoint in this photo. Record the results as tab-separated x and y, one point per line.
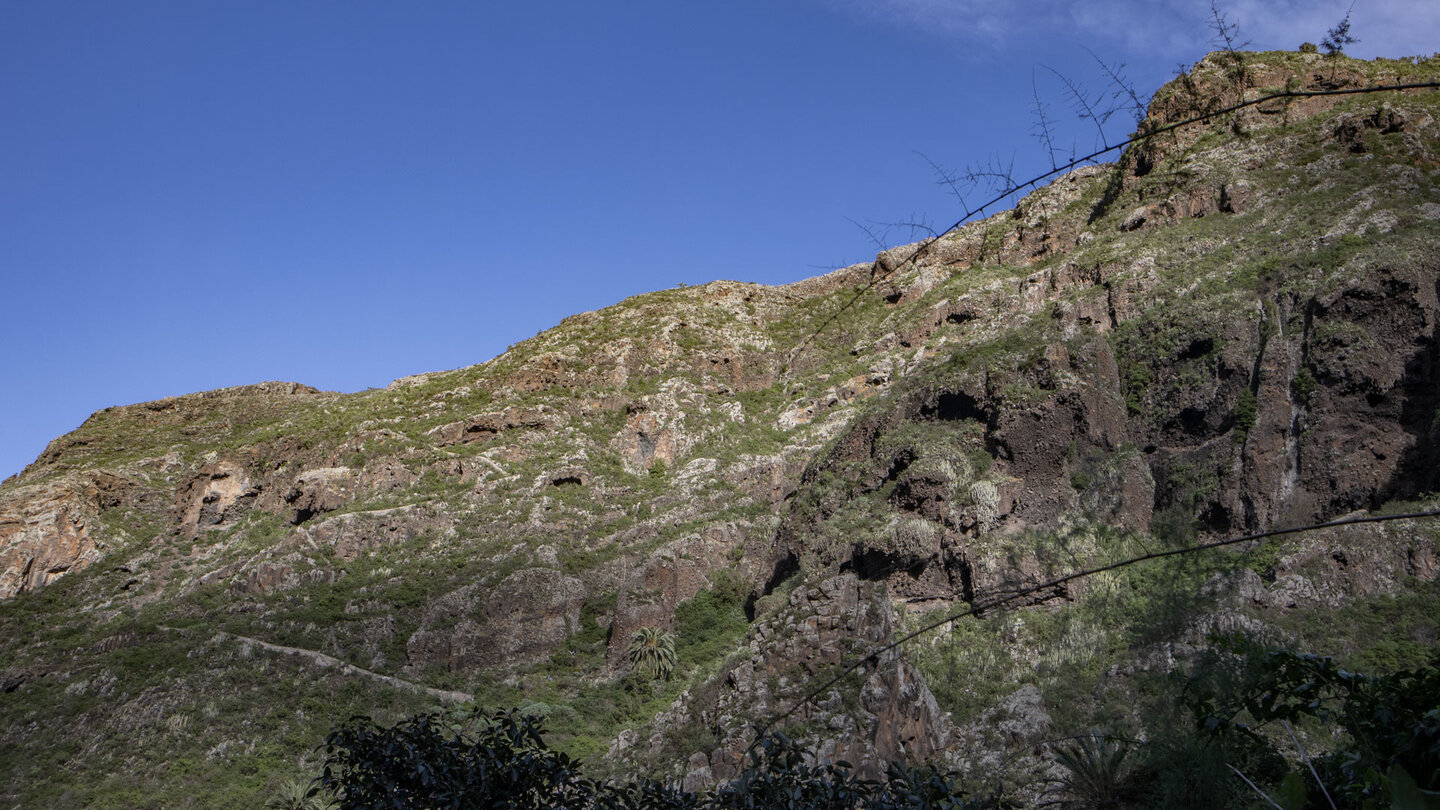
820	631
46	531
216	498
522	619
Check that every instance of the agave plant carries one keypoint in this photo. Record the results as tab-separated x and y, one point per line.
1095	773
652	652
294	795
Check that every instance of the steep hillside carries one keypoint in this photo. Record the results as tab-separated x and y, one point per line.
1232	328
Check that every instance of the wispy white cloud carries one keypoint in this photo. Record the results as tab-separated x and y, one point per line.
1169	27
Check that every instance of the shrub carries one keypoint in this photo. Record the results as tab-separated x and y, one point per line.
711	622
1303	386
1390	723
424	762
294	795
1246	412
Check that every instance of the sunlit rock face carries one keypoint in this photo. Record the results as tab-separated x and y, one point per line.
45	533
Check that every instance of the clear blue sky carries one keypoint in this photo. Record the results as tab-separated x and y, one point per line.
203	194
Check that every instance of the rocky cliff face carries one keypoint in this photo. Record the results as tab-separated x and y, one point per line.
1233	328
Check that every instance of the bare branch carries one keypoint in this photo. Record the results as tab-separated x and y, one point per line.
1227	33
1305	755
946	179
913	227
879	242
1086	108
994	175
879	232
1124	88
1254	787
1199	117
1041	128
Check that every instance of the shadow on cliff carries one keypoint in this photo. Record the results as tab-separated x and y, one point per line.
1417	471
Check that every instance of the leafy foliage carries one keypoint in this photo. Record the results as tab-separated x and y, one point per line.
1246	411
1391	722
423	762
780	776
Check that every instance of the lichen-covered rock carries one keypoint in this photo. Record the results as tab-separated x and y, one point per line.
1008	744
487	426
356	533
821	628
521	619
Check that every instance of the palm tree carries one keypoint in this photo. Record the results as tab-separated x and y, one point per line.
652	652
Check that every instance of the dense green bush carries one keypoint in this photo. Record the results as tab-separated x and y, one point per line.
1387	726
428	762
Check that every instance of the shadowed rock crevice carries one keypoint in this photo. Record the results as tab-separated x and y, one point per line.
954	406
1417	470
877	564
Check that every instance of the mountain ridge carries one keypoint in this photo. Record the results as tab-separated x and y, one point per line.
1228	329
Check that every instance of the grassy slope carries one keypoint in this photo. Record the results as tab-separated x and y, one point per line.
130	697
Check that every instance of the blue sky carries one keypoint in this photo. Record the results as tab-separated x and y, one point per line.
197	195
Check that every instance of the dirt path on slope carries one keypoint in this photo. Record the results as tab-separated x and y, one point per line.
328	661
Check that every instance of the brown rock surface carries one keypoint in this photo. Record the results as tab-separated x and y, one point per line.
46	532
522	619
317	491
216	497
